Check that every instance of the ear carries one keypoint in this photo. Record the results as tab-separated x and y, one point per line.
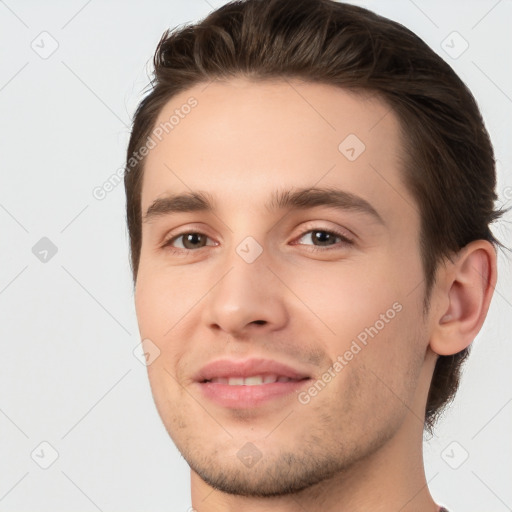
464	290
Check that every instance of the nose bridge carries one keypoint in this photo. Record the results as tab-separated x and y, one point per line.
247	293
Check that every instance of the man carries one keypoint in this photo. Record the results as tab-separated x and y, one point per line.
309	194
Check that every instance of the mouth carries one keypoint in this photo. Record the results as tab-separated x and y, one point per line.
253	380
249	383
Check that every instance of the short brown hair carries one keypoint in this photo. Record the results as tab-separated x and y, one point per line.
450	169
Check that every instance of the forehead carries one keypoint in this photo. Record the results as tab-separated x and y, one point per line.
243	140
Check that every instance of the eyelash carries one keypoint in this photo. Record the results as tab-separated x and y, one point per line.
313	248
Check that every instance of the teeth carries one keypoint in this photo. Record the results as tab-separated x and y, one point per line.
253	380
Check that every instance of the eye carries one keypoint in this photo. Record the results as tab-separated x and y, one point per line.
187	241
323	238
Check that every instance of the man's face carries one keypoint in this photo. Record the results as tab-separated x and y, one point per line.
326	298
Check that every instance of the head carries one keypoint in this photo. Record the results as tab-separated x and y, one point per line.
271	101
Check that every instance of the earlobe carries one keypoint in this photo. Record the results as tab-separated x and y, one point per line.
467	286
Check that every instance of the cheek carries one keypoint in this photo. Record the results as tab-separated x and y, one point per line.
347	299
157	312
369	314
376	385
162	298
167	302
158	315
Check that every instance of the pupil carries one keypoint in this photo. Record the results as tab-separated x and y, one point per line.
323	237
193	239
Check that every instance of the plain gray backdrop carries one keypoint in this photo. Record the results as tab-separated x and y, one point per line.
78	427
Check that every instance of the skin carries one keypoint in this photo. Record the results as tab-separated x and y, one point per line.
357	444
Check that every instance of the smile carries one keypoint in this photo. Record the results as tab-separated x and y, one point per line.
243	384
253	380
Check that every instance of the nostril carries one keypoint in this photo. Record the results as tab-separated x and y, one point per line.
259	322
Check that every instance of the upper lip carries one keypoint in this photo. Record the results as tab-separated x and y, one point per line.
225	368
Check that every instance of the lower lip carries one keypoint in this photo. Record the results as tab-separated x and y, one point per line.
245	397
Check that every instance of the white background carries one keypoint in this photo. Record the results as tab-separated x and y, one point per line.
68	328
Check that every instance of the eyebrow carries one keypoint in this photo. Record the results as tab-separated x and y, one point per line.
298	199
305	198
187	202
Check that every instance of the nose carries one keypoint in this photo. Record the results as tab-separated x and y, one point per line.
248	299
